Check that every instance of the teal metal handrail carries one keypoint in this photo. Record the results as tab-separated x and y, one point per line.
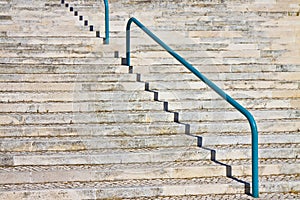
106	40
245	112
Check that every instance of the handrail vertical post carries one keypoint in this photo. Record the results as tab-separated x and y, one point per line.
128	43
255	175
235	104
106	40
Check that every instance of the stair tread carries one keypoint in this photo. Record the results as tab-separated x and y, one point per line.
274	195
151	165
148	183
112	184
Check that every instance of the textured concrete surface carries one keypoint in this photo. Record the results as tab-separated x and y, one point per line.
75	124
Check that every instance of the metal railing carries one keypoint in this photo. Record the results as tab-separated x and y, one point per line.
245	112
106	40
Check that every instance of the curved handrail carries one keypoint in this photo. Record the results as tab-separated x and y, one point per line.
245	112
106	40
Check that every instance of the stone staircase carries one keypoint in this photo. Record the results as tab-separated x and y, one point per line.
75	124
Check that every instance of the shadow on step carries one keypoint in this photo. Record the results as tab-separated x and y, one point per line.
81	18
228	167
199	139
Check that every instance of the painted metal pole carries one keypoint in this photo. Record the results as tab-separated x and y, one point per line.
245	112
106	40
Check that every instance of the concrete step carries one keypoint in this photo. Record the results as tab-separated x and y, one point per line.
213	140
105	156
61	32
61	60
266	151
113	172
190	45
238	76
99	97
92	106
57	51
44	41
225	115
39	48
51	72
84	118
236	94
265	195
153	70
201	54
36	5
120	129
146	189
279	8
161	154
126	129
39	144
69	76
51	53
222	104
42	14
92	143
183	106
141	171
16	30
70	96
75	86
82	72
144	69
154	188
242	128
193	85
185	116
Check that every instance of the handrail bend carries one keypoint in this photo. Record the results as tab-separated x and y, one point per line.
245	112
106	40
